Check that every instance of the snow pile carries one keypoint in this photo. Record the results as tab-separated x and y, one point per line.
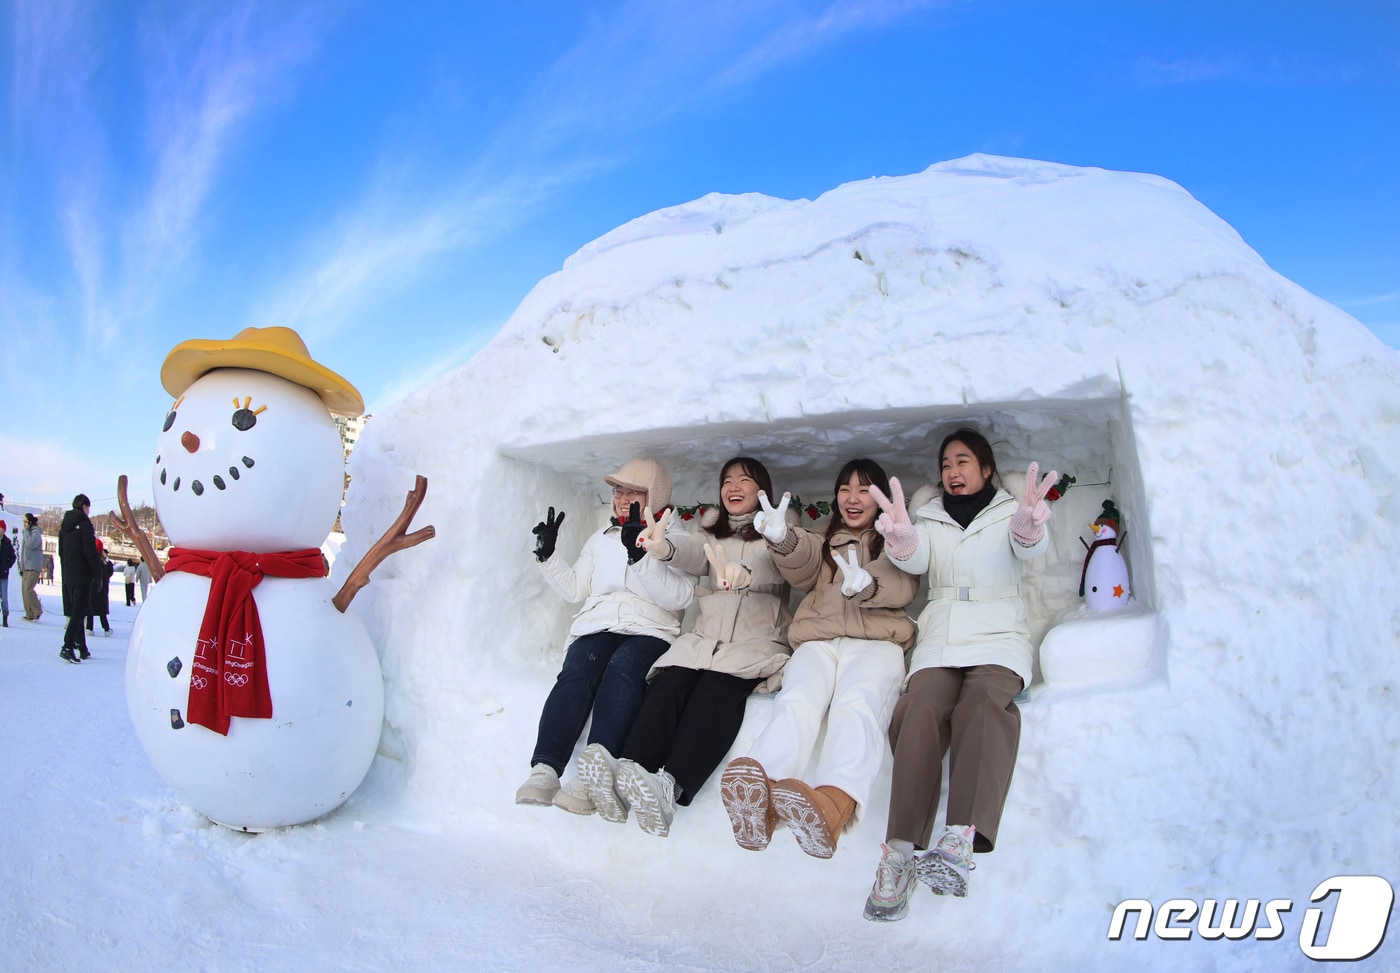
1103	323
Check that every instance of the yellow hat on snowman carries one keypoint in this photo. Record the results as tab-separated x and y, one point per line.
277	351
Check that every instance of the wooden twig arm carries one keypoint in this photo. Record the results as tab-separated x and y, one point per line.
126	523
395	539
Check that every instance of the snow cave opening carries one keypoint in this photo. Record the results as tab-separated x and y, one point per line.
1089	438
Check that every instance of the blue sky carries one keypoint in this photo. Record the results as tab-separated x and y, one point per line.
392	179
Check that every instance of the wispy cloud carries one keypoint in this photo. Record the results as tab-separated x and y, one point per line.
386	241
643	63
1186	70
52	112
1265	68
207	74
1373	300
41	471
802	36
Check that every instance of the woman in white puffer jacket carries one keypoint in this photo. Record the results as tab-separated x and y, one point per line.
632	609
972	657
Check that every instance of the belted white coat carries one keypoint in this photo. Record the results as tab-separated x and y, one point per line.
985	624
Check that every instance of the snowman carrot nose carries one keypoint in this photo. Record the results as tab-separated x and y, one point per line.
190	441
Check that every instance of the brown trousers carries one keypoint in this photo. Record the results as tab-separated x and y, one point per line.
969	712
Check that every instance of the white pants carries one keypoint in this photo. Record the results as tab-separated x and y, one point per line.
854	684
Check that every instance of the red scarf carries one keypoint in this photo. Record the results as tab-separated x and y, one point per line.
229	675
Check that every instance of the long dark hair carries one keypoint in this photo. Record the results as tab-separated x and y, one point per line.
974	441
759	472
869	472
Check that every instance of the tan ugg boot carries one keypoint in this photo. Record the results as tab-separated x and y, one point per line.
744	788
816	816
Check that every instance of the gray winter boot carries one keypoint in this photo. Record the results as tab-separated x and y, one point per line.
598	770
652	796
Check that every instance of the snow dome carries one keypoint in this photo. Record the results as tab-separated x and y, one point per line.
1102	323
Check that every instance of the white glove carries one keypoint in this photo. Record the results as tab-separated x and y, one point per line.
769	522
855	578
653	537
731	577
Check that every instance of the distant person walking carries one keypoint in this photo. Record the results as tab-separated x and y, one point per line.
101	605
77	549
31	562
129	578
7	561
47	575
143	575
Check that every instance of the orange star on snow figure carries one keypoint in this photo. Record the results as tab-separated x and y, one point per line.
1118	591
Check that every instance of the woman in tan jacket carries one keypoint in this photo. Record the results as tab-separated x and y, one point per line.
849	636
699	689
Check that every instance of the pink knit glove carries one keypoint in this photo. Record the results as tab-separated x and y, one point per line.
1028	522
901	539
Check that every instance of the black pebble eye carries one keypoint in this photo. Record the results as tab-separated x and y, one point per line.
243	420
169	420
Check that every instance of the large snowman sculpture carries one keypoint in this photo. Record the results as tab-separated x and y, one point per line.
257	697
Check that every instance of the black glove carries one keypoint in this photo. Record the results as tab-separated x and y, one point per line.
546	534
631	531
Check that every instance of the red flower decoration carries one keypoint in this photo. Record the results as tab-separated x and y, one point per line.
1054	494
812	512
686	515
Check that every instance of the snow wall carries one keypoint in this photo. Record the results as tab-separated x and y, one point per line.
1230	735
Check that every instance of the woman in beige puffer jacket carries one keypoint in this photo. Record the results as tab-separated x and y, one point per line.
849	637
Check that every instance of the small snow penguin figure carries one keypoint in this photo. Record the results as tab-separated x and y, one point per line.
1103	583
257	697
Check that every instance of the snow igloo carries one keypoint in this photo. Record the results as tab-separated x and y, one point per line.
1104	324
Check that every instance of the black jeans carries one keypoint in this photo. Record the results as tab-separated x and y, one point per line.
605	672
77	597
687	724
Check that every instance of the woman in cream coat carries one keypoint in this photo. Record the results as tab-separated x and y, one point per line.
972	658
700	688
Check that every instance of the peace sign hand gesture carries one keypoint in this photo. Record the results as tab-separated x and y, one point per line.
854	578
901	539
731	577
1028	522
653	537
771	522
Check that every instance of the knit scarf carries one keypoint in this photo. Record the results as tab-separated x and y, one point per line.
229	674
964	507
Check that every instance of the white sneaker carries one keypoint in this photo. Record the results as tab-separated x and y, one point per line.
944	867
540	787
573	797
652	796
598	770
894	878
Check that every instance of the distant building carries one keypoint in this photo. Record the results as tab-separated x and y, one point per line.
350	428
